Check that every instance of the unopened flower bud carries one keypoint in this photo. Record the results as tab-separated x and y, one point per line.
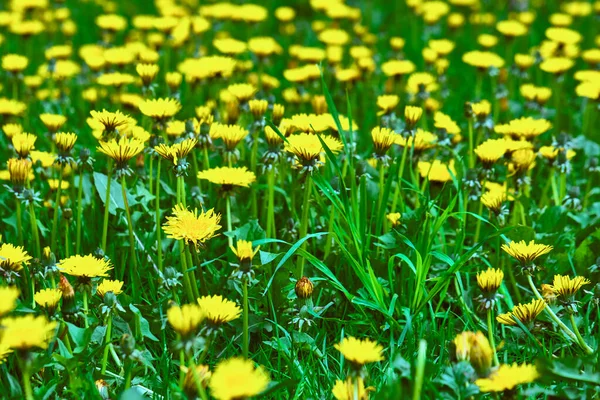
304	288
202	374
127	344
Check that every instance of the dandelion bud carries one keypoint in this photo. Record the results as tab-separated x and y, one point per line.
475	348
65	287
304	288
199	373
102	387
412	115
278	111
127	344
319	104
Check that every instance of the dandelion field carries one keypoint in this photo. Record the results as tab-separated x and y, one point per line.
319	199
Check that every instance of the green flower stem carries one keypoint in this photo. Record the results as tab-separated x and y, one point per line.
181	364
478	226
192	276
553	316
186	279
420	369
129	226
157	215
245	318
151	170
19	221
398	190
555	193
26	380
53	243
471	146
106	208
79	212
228	214
491	335
329	232
107	339
271	229
197	381
128	373
67	240
513	283
544	197
304	224
85	308
380	204
563	186
582	342
34	229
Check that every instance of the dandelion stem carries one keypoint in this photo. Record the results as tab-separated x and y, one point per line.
491	335
53	243
271	230
107	339
471	148
228	214
420	369
19	220
197	380
157	214
129	225
79	211
34	229
26	380
380	204
128	371
192	276
245	341
582	342
398	190
106	208
304	224
151	170
186	279
85	308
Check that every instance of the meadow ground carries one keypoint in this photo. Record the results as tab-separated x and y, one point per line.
299	199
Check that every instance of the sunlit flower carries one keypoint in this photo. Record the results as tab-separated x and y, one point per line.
421	140
111	121
27	332
565	287
383	139
243	250
507	377
489	282
387	103
160	109
237	378
219	310
526	253
490	151
394	218
107	285
360	352
8	299
53	122
191	226
228	176
85	267
48	299
351	390
308	148
525	313
147	72
186	319
13	258
437	171
474	348
121	151
23	143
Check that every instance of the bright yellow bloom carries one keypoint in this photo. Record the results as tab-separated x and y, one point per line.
264	46
526	313
243	250
199	373
242	91
412	115
489	281
237	378
228	176
190	226
394	218
483	59
308	148
48	298
387	103
8	299
443	121
231	135
490	151
14	63
481	109
65	141
147	72
23	143
526	253
421	140
5	350
219	310
20	171
507	377
360	352
111	121
107	285
511	28
565	286
186	319
346	390
397	68
12	258
160	109
177	151
383	139
493	200
437	171
475	348
11	129
557	65
121	151
27	332
84	266
53	122
563	35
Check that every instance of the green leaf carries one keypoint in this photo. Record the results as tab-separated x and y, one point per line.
115	201
81	336
143	323
266	257
132	394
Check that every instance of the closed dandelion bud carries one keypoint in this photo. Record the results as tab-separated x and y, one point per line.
412	115
201	374
474	348
258	108
304	288
127	344
102	387
67	290
278	111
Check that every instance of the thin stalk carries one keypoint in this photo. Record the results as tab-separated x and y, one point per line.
203	285
107	339
582	342
420	369
557	320
150	172
56	206
85	308
79	212
106	208
555	193
245	341
491	336
129	225
478	226
187	286
380	204
128	371
67	240
157	215
304	224
228	213
398	190
26	380
471	147
271	230
181	364
563	185
191	277
34	229
197	381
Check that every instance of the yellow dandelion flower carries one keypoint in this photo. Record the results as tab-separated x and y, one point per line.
243	250
490	151
53	122
231	135
198	373
84	267
219	310
526	253
360	352
19	171
237	378
111	121
437	171
387	103
12	258
308	148
177	151
23	143
511	28
394	218
474	348
420	141
526	313
347	390
564	36
481	109
14	63
27	332
121	151
107	285
65	141
191	226
507	377
566	287
8	299
483	59
443	121
147	72
160	109
228	176
11	129
383	139
557	65
186	320
493	200
489	281
412	115
397	68
48	299
243	92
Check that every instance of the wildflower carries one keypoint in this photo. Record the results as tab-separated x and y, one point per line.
565	288
48	299
228	177
526	253
481	110
110	286
507	377
191	226
397	68
160	109
231	135
483	60
383	139
308	148
563	36
197	374
436	171
420	141
387	103
264	46
304	288
245	253
444	122
177	153
360	352
347	390
490	151
219	310
186	320
121	152
27	332
237	378
85	267
111	121
243	92
494	200
489	282
394	218
474	348
511	28
8	299
147	72
20	172
23	143
557	65
14	63
53	122
525	313
12	258
412	115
